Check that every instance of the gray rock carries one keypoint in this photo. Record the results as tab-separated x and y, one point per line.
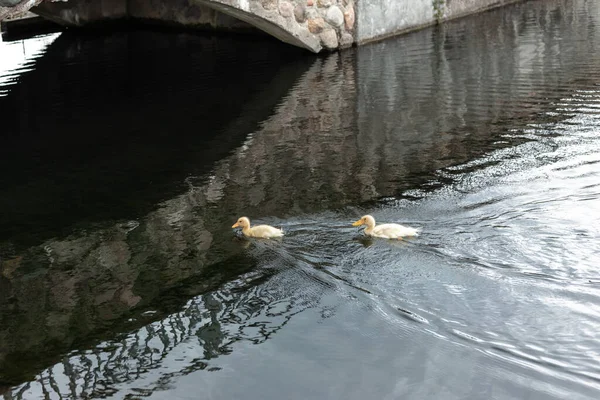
286	9
329	39
346	40
300	13
335	16
316	25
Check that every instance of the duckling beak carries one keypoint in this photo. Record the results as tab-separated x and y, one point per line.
358	223
236	225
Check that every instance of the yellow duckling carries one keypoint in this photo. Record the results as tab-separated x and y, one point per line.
386	231
259	231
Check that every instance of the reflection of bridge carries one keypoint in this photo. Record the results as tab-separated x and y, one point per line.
310	24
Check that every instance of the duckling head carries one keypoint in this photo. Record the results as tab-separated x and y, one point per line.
243	222
367	220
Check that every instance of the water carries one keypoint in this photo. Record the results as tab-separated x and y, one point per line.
127	156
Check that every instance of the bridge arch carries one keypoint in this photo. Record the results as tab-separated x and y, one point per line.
315	25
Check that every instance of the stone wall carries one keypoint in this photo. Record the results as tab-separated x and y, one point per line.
377	19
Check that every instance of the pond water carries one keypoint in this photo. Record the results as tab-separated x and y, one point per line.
126	156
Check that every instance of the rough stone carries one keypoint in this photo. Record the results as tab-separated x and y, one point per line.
309	3
329	39
269	4
334	16
300	13
316	25
349	18
346	40
324	3
286	9
312	13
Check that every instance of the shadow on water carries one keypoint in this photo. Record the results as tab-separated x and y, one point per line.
156	288
107	126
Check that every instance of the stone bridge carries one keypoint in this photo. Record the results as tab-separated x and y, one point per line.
315	25
312	24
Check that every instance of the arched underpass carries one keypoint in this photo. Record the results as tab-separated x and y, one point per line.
311	24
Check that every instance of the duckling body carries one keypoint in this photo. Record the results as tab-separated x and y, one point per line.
259	231
385	231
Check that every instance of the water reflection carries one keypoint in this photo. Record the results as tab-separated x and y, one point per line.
483	125
154	356
18	56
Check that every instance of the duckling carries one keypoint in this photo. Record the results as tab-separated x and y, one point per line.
259	231
386	231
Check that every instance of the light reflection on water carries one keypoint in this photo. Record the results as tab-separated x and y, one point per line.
18	57
484	133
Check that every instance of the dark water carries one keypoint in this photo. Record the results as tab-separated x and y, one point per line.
126	157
